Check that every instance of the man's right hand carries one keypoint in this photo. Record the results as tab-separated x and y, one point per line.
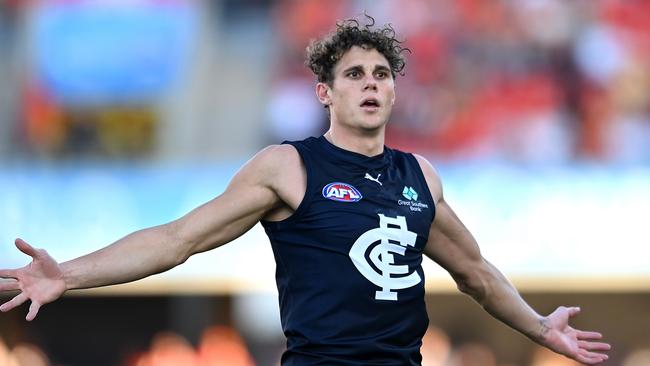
41	281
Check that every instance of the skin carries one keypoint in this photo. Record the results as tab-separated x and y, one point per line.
274	183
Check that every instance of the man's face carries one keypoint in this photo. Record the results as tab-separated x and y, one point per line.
363	91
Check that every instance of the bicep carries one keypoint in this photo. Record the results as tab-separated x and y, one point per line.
451	245
248	197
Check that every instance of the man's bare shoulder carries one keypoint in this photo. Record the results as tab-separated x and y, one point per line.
280	168
431	175
280	153
275	159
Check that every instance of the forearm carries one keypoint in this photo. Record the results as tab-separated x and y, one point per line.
502	300
133	257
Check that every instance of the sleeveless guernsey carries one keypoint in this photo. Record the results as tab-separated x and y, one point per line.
348	261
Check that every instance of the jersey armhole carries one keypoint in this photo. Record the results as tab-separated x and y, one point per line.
423	181
306	199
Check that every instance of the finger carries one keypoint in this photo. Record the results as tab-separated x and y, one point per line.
573	311
7	273
16	301
591	358
588	335
10	285
593	355
26	248
594	346
33	310
592	361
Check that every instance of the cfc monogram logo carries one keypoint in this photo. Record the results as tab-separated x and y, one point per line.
390	230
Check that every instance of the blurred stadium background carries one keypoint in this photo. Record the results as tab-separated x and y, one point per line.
121	114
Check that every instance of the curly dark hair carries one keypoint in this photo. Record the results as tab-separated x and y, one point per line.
323	54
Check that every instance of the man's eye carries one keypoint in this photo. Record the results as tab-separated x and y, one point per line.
382	74
353	74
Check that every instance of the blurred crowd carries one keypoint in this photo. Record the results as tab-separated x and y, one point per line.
533	81
222	345
530	80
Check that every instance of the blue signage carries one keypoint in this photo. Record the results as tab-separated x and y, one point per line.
102	52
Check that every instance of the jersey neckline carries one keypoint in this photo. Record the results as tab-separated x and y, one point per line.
368	162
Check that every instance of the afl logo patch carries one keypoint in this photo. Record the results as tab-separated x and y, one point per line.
341	192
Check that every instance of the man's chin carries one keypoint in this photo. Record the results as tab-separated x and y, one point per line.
373	125
367	123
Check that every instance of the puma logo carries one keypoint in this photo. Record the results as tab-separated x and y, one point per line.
376	180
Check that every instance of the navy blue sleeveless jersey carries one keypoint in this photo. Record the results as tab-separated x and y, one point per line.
348	260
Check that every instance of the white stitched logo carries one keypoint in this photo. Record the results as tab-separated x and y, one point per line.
390	230
376	180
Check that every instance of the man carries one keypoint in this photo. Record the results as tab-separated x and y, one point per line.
348	219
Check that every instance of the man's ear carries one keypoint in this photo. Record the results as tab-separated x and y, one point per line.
323	92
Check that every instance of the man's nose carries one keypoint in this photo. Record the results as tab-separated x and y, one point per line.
370	84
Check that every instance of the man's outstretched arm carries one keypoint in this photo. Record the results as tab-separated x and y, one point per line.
248	197
452	246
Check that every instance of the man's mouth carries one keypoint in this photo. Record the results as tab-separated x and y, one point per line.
370	104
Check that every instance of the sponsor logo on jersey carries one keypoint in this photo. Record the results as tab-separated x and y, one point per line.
379	246
412	196
341	192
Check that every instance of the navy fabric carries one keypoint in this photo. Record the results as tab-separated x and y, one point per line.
352	293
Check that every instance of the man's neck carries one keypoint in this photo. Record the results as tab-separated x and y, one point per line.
368	144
